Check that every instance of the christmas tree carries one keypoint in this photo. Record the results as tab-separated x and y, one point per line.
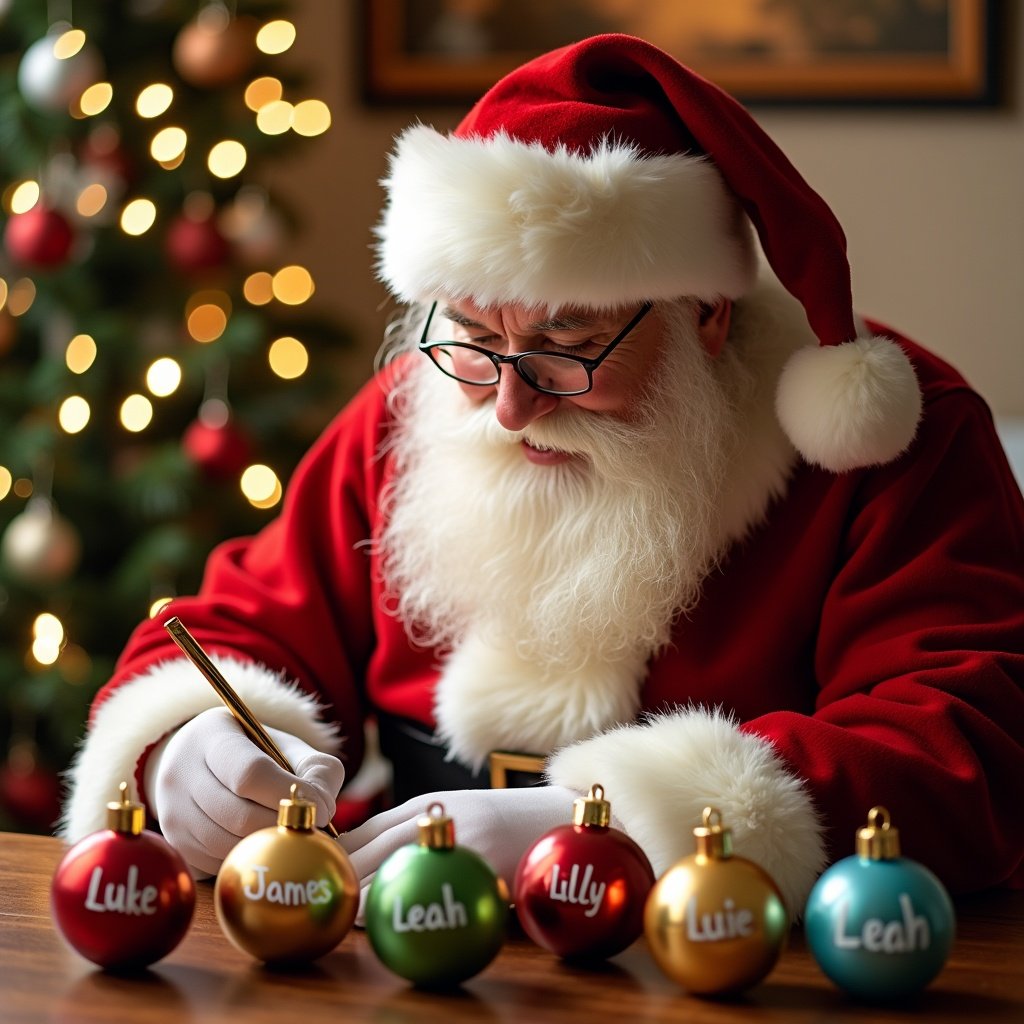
159	372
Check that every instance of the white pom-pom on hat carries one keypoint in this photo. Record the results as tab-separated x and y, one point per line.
850	405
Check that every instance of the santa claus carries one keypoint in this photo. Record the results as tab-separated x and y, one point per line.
626	497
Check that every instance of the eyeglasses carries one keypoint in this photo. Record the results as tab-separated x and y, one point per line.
553	373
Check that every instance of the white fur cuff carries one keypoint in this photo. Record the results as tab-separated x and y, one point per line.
147	707
660	775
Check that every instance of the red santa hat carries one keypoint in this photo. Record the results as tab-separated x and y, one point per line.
606	173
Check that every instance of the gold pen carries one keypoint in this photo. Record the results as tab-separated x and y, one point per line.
246	719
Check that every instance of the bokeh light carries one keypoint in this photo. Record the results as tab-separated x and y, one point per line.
226	159
96	99
261	91
311	117
275	118
67	44
163	377
91	200
261	487
258	288
154	100
24	196
5	482
80	353
275	37
293	285
136	413
73	415
138	216
288	358
21	296
168	144
206	322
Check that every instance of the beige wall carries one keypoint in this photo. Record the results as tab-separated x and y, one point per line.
932	203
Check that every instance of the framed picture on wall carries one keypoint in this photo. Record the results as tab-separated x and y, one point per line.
763	51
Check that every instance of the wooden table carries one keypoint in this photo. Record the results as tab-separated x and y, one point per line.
206	980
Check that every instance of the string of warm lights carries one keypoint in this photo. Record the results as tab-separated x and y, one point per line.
207	313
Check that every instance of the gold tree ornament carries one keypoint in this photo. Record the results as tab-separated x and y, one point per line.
288	893
715	922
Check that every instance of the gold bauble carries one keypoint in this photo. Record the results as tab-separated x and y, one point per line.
715	923
287	893
213	52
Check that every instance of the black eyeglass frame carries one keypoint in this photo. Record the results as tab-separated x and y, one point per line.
589	365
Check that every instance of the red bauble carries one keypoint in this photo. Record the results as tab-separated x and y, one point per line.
580	890
30	793
102	148
221	452
39	237
196	245
123	897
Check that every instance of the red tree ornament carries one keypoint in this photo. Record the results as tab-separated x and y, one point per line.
103	148
221	451
123	897
29	791
194	245
40	237
580	889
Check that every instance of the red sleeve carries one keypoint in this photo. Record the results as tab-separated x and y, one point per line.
920	657
295	597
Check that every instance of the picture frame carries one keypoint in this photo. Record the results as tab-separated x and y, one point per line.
779	52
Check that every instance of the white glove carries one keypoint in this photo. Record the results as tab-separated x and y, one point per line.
498	824
209	785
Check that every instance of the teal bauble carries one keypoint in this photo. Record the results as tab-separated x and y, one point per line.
436	913
879	925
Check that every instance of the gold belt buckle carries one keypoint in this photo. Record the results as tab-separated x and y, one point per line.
504	761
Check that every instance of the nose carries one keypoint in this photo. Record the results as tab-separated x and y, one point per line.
517	405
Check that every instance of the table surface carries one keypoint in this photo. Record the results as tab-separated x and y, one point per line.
207	980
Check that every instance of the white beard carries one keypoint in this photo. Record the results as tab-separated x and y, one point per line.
552	586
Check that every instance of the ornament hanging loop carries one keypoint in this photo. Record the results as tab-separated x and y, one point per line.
714	840
878	840
592	810
296	813
125	816
436	829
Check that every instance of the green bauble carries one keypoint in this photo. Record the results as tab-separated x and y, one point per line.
436	912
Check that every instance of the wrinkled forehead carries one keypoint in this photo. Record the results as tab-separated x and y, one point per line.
563	317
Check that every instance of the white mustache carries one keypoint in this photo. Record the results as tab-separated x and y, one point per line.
572	430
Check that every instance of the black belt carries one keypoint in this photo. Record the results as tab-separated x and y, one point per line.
419	763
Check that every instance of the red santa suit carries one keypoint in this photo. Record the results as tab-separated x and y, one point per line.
860	641
869	630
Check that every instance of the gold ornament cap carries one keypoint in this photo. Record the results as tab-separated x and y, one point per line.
125	816
714	840
437	830
878	840
593	809
295	813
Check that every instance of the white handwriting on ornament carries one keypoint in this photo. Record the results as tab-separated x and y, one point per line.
432	917
575	890
727	923
289	894
120	898
878	936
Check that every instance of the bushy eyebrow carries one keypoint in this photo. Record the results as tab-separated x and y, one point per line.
563	322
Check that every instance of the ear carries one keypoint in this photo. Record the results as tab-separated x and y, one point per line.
713	325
